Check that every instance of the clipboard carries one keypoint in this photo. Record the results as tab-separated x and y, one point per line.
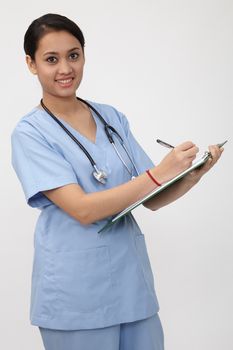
196	164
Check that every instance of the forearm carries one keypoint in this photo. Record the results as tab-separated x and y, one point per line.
171	194
99	205
91	207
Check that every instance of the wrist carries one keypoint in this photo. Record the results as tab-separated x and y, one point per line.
158	174
153	178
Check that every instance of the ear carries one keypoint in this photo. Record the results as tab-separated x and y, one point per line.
31	64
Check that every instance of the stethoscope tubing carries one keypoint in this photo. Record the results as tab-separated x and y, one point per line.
107	127
70	134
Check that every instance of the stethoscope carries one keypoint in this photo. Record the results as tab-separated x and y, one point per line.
98	174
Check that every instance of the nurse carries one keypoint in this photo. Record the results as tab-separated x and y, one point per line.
88	290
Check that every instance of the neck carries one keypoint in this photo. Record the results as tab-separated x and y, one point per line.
62	105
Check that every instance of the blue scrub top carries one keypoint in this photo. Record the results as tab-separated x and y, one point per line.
82	279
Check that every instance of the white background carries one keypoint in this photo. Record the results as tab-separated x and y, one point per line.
168	65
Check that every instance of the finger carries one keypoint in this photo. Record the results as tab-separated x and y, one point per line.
218	149
221	149
185	146
212	151
192	152
215	152
207	166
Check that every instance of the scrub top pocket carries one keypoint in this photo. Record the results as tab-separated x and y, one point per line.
83	279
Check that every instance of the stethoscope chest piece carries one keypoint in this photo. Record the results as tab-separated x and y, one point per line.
99	175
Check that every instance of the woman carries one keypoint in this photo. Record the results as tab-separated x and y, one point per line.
89	290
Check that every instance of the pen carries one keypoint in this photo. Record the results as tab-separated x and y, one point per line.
165	144
221	144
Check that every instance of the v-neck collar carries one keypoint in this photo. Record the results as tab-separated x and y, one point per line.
74	131
80	135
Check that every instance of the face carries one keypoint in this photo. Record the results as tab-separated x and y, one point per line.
59	63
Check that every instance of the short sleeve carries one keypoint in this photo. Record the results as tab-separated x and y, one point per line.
38	166
140	157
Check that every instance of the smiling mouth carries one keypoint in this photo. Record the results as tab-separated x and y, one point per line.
65	82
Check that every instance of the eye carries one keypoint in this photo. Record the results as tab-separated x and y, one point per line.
74	55
51	59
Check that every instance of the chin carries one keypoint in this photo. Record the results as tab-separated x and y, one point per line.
63	94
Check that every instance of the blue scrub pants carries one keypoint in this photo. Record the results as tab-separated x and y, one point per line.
143	334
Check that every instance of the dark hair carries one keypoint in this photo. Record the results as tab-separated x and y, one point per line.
48	23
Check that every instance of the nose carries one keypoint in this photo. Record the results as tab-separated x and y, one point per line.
64	67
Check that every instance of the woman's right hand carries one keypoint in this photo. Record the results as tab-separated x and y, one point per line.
176	161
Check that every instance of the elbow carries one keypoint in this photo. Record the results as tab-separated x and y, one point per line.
84	217
153	209
150	206
85	221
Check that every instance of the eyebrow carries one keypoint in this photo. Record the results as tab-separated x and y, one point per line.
55	53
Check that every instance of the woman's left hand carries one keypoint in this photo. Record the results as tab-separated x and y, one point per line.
216	152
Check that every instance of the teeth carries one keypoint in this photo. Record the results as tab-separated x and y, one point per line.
65	81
